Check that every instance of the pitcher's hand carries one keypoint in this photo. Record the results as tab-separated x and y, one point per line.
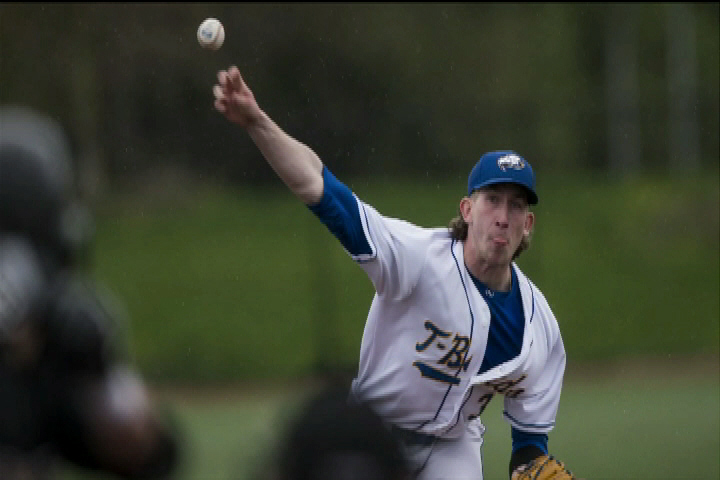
234	99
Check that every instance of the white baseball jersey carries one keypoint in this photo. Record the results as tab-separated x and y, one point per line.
427	331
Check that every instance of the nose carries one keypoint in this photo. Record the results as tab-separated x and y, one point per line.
501	220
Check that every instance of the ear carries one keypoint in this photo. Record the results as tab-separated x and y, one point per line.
466	208
529	222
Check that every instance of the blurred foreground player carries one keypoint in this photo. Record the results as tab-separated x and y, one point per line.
68	393
334	439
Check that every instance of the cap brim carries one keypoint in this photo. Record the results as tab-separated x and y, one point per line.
532	197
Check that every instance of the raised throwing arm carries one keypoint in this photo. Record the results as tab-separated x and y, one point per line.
294	162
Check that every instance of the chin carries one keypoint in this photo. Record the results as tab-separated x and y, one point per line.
501	255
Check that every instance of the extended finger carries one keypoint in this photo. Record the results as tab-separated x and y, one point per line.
218	92
222	77
235	78
220	105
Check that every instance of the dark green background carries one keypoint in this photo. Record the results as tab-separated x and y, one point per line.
247	284
377	89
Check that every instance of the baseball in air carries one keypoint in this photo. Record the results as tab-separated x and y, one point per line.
211	34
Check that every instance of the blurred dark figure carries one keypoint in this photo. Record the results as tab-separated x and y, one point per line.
68	392
333	439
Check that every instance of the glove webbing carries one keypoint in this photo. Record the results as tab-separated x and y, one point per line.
536	470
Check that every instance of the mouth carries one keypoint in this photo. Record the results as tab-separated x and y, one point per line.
500	241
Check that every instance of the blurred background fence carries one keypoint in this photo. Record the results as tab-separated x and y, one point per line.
226	277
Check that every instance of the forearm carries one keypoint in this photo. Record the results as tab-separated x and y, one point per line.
297	165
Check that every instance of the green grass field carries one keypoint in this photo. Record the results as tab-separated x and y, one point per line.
629	420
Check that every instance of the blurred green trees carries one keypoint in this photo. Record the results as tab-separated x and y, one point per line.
376	89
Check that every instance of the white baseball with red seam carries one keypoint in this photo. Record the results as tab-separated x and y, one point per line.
211	34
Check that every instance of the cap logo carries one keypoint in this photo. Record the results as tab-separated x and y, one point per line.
510	161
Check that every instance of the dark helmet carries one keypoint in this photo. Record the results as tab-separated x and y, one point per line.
37	183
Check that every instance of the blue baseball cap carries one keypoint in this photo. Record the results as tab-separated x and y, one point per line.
504	166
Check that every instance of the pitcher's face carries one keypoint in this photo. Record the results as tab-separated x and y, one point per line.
498	217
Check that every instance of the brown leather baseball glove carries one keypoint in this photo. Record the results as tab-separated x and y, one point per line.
545	467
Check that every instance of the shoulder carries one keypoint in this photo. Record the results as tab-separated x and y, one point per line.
538	297
525	279
402	228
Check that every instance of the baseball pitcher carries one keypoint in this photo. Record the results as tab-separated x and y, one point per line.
454	322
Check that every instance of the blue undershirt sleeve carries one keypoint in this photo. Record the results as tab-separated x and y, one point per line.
522	439
338	209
